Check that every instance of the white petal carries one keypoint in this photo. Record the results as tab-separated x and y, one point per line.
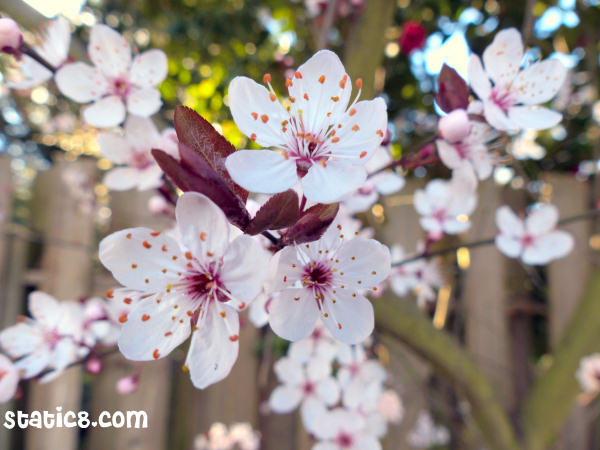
137	257
106	112
367	442
114	147
350	319
534	117
293	314
448	154
285	399
551	246
144	102
21	339
328	390
80	82
363	260
330	183
203	226
497	118
508	222
453	226
542	219
325	446
32	364
289	371
263	171
109	51
243	269
509	245
121	178
141	133
311	411
478	79
9	380
44	308
503	57
149	68
65	353
214	347
539	82
388	182
255	114
149	177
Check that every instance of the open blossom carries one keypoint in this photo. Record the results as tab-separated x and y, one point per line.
327	278
195	286
9	379
320	345
309	384
137	168
319	137
340	429
116	83
588	373
513	101
54	43
535	240
48	339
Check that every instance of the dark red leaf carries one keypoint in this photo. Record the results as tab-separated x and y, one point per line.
312	224
198	134
280	211
453	92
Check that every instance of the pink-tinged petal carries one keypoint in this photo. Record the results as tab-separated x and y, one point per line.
149	68
203	226
289	371
350	319
542	219
80	82
362	131
482	163
32	364
141	133
21	339
284	399
448	154
215	345
293	314
44	308
503	57
9	379
478	79
142	259
255	112
548	247
534	117
114	147
329	182
320	86
263	171
121	178
509	245
289	269
508	222
106	112
540	82
109	51
363	263
154	327
144	102
328	390
497	118
243	271
149	178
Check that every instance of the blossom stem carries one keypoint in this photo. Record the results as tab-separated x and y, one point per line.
29	51
412	159
271	238
429	254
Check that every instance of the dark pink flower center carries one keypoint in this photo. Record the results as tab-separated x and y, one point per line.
502	98
141	160
120	87
309	388
52	338
318	277
344	440
527	240
205	284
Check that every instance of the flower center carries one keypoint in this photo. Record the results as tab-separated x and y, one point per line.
202	285
344	440
140	160
527	240
52	338
308	388
318	277
3	373
502	97
120	87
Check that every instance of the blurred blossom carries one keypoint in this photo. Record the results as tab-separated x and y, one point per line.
128	384
412	36
588	373
239	436
524	146
426	433
9	379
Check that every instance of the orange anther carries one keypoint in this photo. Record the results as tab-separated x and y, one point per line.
233	338
363	154
146	244
133	266
335	139
123	318
188	255
203	236
322	79
127	300
267	78
155	354
343	81
352	112
335	99
242	305
288	82
145	318
128	236
355	127
306	97
223	314
155	233
272	96
298	75
359	83
254	115
253	137
264	118
168	333
380	133
323	163
109	293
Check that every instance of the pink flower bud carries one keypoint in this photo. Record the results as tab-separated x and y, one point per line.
128	384
94	366
158	205
455	126
10	36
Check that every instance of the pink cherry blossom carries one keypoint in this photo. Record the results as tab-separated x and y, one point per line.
239	436
115	83
513	101
10	36
128	384
9	379
131	152
455	126
588	373
535	240
389	405
319	137
193	286
340	429
326	279
320	345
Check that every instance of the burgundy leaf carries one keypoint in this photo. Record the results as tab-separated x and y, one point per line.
312	224
198	134
453	92
280	211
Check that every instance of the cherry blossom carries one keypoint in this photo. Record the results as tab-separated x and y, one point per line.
340	429
309	385
513	101
389	405
327	278
128	384
10	36
427	434
9	379
319	137
239	436
320	345
195	286
535	240
48	339
55	40
137	168
588	373
115	83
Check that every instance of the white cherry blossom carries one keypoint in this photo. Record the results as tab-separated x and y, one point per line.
588	373
195	286
326	279
320	344
340	429
9	379
116	83
426	433
512	102
535	240
318	137
132	153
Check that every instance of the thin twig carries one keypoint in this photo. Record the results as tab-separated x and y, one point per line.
328	19
29	51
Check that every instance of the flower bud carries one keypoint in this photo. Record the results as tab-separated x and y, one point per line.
127	384
455	126
93	366
10	36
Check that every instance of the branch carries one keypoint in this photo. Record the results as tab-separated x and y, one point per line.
555	392
403	321
29	51
328	19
